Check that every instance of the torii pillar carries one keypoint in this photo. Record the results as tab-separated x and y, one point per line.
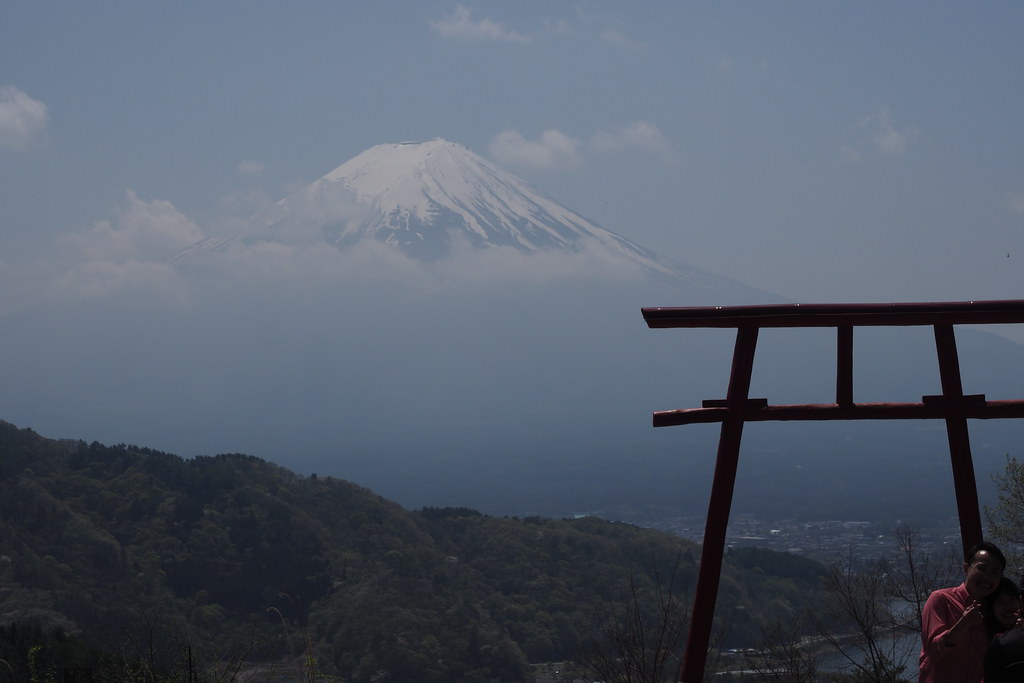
737	408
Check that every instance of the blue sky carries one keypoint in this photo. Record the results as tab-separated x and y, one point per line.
824	151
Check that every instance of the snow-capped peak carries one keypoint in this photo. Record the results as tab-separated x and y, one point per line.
421	196
424	198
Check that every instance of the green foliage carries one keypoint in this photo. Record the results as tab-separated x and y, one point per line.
230	558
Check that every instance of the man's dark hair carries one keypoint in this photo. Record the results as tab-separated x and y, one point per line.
992	549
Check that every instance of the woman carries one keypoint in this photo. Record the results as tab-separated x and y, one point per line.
1004	660
1002	608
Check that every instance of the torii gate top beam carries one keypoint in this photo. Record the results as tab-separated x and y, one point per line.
838	315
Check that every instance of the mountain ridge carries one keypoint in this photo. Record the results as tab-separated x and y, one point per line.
142	552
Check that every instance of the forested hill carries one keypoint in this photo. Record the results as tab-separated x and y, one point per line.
146	554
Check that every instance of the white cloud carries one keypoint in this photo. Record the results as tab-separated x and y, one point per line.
23	120
881	136
250	167
128	254
557	150
642	136
886	139
462	25
554	149
141	230
311	266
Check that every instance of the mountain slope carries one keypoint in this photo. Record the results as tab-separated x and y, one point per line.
424	194
133	549
428	199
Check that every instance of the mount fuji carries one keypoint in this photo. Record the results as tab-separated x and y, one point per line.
429	200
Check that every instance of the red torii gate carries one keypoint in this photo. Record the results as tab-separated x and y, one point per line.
737	408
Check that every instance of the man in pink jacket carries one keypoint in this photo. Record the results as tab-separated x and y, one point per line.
953	634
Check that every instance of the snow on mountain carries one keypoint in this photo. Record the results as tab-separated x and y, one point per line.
424	198
423	194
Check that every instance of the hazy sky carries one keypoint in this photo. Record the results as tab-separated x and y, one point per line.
826	151
821	151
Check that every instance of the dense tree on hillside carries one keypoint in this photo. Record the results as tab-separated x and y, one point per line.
229	557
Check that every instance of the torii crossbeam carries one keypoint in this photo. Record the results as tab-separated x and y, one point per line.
737	408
